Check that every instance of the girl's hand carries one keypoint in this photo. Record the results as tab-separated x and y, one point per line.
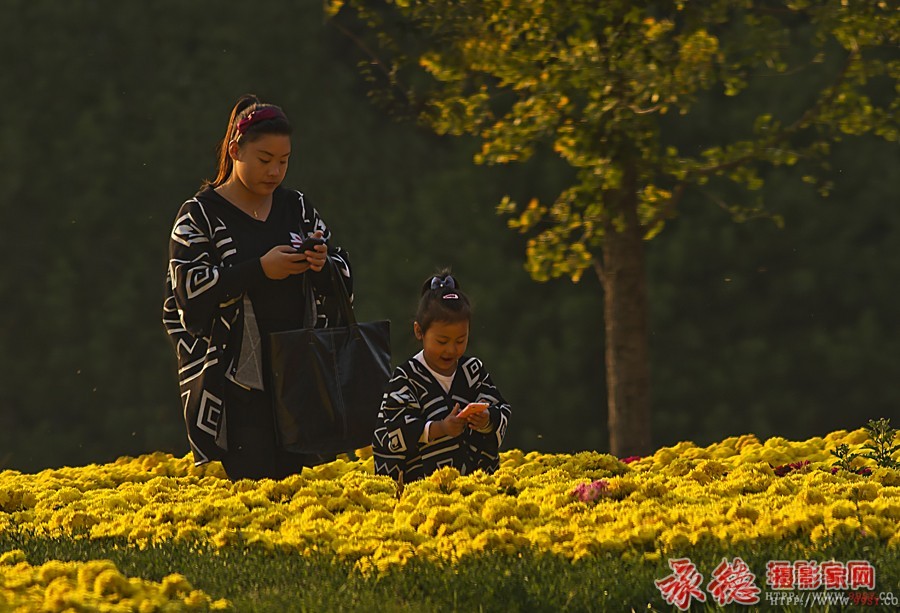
283	261
480	420
449	426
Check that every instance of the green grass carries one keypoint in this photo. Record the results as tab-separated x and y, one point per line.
256	580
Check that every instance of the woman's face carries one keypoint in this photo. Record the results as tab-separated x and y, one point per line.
443	344
260	165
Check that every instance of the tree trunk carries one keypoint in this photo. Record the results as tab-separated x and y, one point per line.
625	315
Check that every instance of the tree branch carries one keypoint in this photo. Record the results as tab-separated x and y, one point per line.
373	59
598	268
785	133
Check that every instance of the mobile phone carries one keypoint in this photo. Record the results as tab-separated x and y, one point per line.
472	408
309	242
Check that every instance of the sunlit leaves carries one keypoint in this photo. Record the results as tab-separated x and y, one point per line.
654	29
651	201
529	218
332	7
553	254
593	80
696	55
456	115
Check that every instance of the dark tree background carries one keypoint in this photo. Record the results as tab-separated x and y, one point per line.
111	119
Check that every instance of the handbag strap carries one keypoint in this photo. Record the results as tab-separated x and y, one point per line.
339	291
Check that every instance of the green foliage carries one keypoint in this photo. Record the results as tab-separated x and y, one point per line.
609	88
881	445
596	83
844	457
879	448
255	579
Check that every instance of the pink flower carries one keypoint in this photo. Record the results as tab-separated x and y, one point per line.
788	468
864	471
591	492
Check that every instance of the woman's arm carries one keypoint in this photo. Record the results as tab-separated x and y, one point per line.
312	222
200	283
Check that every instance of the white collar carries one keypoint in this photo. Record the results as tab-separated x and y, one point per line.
445	380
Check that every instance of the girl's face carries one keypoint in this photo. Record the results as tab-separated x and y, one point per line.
443	344
260	165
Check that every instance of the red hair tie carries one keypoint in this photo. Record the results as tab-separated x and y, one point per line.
269	112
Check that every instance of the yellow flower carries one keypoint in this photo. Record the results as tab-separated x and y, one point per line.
723	493
812	496
12	557
879	527
865	491
89	571
887	477
110	582
57	595
848	528
888	510
498	507
53	569
857	437
675	541
743	511
842	509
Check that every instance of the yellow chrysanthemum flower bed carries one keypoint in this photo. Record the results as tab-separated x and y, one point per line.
93	586
682	495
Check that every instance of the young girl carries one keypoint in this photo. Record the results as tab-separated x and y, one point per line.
440	408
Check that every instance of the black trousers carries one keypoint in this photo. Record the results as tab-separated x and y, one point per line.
253	449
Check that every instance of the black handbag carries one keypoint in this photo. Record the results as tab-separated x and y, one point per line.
328	382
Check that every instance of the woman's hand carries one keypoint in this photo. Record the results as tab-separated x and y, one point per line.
282	261
318	255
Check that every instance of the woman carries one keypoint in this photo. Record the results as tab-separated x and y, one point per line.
237	267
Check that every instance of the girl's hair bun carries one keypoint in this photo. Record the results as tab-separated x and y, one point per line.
442	300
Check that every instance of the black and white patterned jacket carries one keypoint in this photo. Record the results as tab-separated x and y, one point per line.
203	309
412	398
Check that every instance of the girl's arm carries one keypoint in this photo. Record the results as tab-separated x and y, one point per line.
499	410
485	443
399	426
